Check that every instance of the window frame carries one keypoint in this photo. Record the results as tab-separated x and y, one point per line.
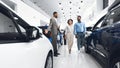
10	15
98	22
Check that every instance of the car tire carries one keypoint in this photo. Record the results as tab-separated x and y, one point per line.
115	63
49	61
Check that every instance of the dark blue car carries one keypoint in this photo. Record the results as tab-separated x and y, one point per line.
104	41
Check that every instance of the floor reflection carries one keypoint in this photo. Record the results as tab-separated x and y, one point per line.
75	59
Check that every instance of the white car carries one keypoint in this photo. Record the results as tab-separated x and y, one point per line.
22	45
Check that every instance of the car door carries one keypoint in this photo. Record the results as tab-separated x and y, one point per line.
111	35
104	35
96	37
15	52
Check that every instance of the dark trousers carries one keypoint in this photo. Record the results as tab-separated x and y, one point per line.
64	41
54	43
80	40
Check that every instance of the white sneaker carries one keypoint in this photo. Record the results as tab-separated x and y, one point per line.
79	51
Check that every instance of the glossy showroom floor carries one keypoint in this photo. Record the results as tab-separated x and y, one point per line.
75	59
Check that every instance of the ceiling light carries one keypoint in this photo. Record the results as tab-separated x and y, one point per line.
59	3
35	2
70	2
81	1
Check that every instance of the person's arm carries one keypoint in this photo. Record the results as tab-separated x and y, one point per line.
75	32
84	28
66	30
75	29
49	27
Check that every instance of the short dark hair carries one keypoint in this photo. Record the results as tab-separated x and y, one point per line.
79	16
54	13
69	21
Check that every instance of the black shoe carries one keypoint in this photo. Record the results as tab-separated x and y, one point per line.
55	55
58	53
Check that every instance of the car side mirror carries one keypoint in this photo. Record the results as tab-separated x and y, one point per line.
32	33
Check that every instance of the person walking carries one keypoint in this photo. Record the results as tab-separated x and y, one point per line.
69	34
54	28
79	31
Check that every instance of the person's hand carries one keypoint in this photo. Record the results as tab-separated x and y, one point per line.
76	36
46	31
65	36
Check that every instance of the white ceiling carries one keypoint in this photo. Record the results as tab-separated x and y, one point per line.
66	8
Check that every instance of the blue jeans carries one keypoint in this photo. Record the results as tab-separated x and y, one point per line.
80	40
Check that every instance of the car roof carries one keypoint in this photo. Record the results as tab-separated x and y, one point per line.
117	2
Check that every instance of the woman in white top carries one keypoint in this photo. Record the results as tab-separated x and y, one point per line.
69	34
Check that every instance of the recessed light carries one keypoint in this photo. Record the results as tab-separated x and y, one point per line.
59	3
81	1
70	8
70	2
79	8
35	2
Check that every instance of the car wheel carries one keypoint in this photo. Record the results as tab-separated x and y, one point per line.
49	61
115	63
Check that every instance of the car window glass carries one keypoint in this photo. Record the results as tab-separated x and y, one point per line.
112	18
22	30
104	21
8	30
6	24
100	23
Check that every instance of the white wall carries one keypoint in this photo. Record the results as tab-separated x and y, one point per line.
32	16
95	11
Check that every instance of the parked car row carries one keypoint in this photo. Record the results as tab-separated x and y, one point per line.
21	45
104	41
